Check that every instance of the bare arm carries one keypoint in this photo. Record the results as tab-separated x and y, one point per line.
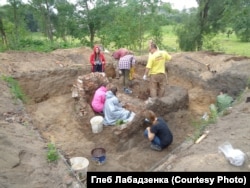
150	134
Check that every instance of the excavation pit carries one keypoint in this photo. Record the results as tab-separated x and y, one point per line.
55	113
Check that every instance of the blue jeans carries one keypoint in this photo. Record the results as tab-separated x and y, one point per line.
155	141
98	68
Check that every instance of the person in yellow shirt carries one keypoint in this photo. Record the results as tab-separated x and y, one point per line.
156	71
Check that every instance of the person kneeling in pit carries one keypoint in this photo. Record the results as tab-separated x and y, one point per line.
113	109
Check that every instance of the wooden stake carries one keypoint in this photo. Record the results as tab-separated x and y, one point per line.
201	137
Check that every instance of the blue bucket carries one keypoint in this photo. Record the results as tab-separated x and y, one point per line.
98	156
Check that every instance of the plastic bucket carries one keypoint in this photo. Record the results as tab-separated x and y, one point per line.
80	166
98	156
96	124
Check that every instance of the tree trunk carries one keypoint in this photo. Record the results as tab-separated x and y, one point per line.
5	43
48	22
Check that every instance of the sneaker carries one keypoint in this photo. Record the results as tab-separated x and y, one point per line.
155	147
127	91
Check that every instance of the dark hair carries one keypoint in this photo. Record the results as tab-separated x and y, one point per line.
114	90
104	84
153	45
99	51
224	90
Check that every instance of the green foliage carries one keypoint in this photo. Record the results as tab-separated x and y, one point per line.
128	24
200	125
39	43
119	122
52	154
211	44
187	39
15	88
231	45
213	114
169	39
239	97
189	33
242	25
201	24
65	22
31	43
237	16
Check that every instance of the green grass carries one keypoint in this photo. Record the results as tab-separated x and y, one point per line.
170	39
15	88
230	45
52	154
201	124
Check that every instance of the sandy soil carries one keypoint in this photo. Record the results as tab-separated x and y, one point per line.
51	116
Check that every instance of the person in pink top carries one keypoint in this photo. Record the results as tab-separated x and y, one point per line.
99	98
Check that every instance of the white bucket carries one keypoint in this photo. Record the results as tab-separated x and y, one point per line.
80	166
96	124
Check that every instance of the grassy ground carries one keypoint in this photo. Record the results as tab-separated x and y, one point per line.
229	45
232	45
170	38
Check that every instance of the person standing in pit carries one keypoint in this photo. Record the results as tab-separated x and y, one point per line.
126	63
97	60
117	55
156	71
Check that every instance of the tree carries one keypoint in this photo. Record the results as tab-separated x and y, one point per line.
188	33
88	18
64	21
15	10
237	14
2	29
130	22
43	11
205	22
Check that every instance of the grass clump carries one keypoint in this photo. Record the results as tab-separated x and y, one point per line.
201	124
52	154
213	114
15	88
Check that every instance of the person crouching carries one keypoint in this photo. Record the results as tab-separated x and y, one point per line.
158	133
